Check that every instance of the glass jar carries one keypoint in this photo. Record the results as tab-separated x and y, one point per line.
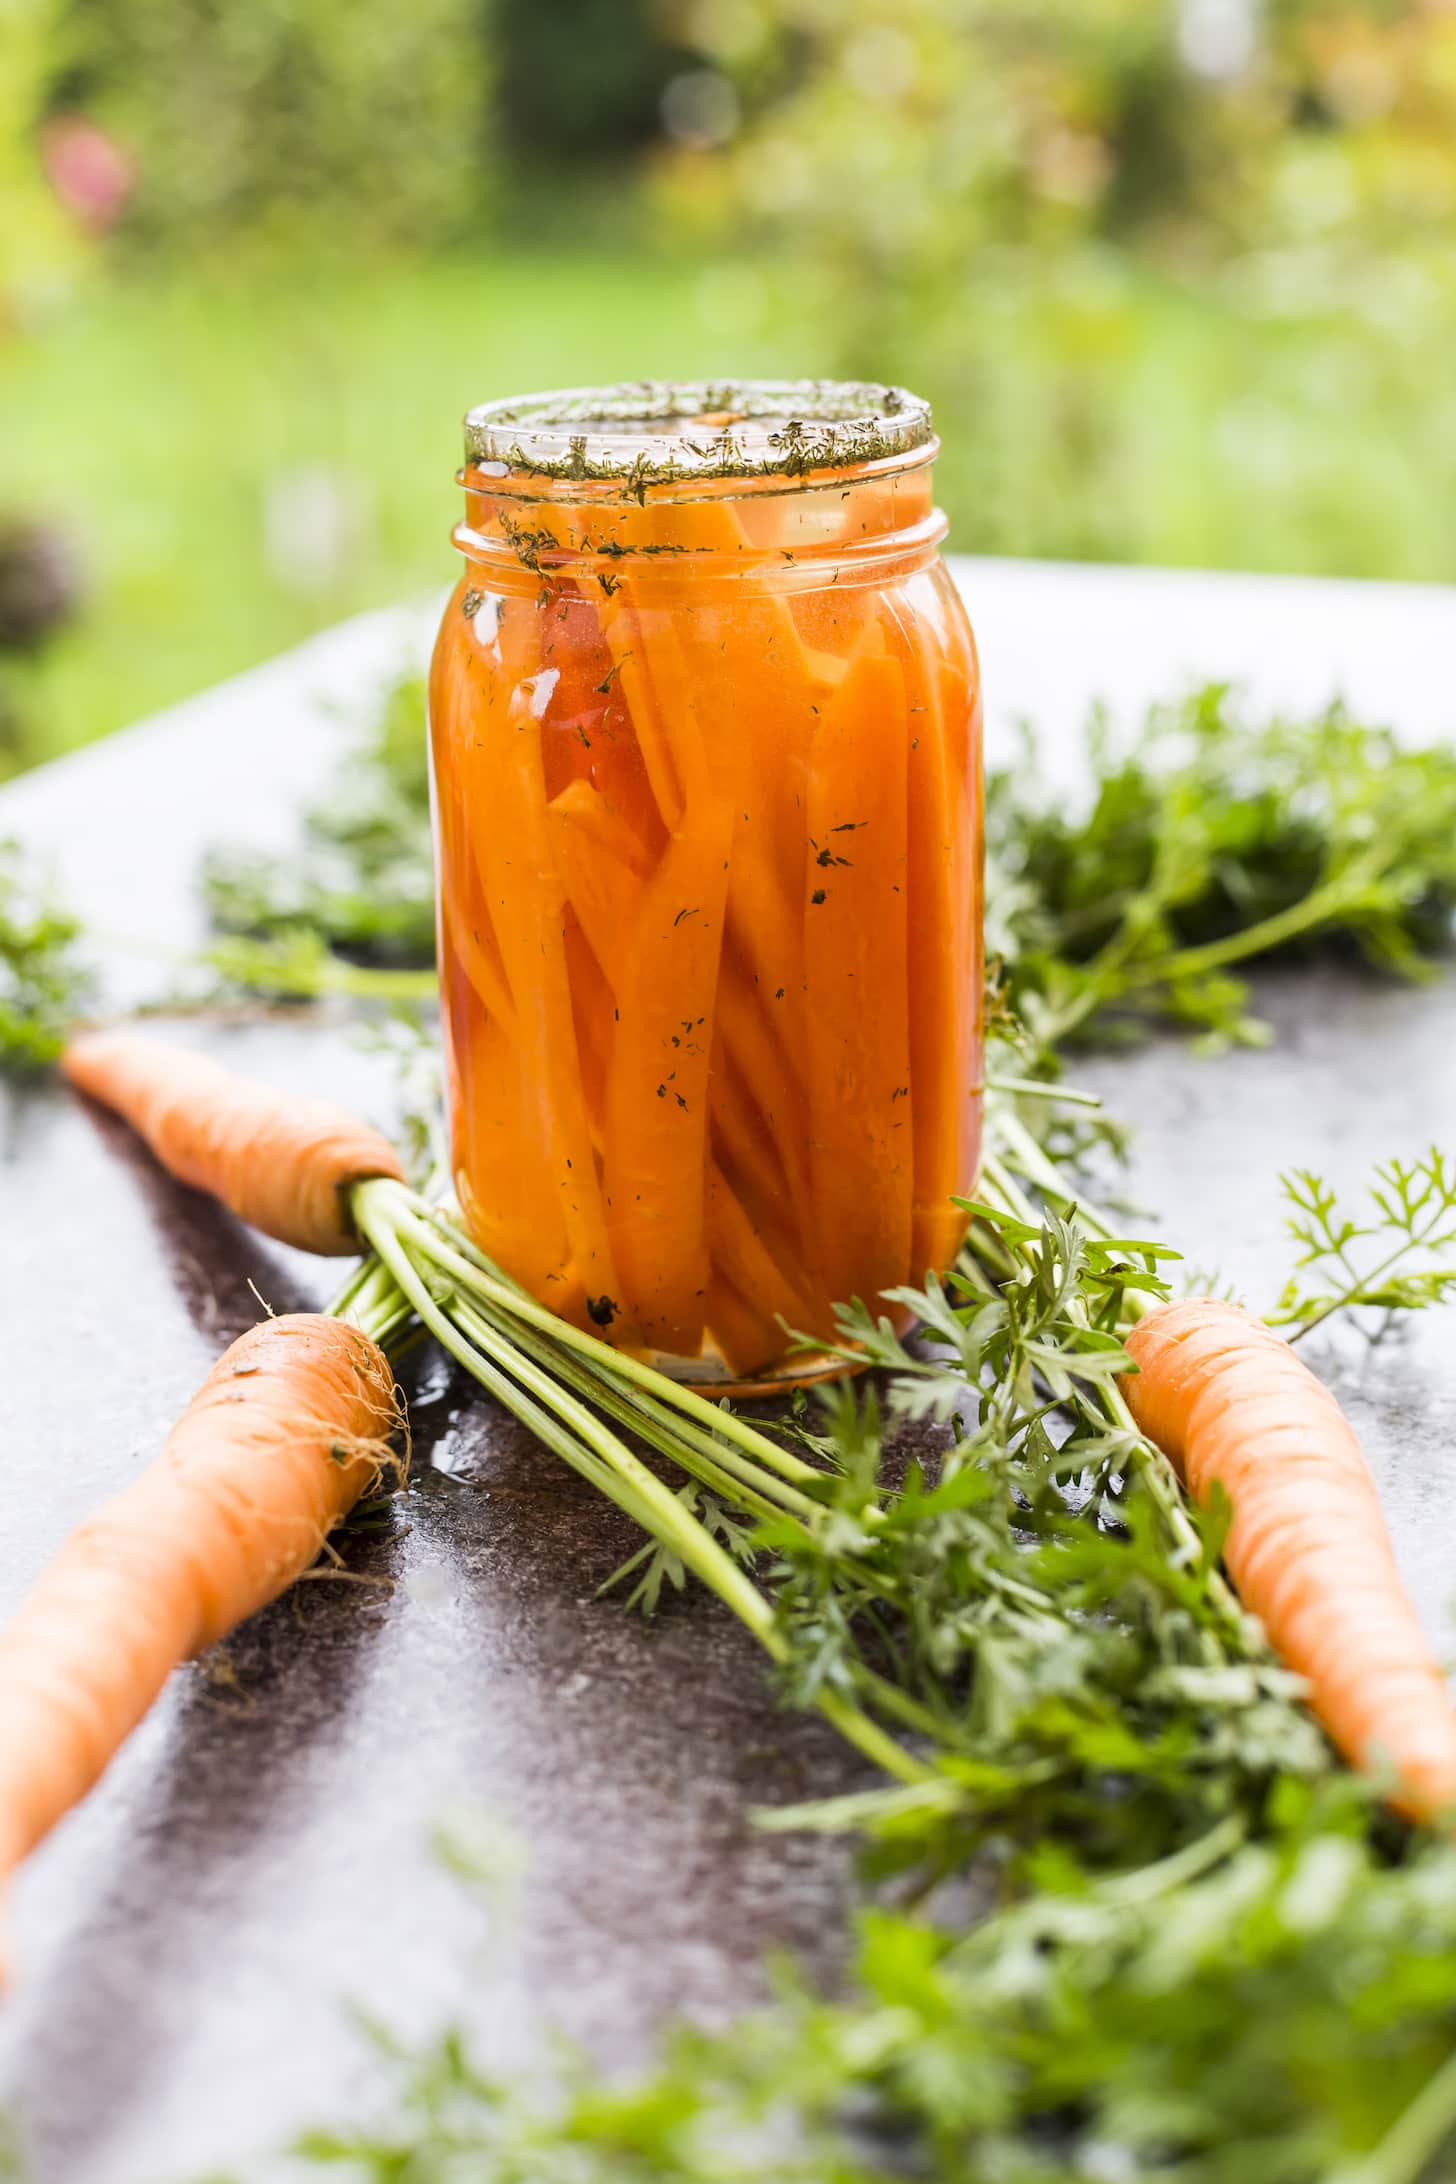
705	720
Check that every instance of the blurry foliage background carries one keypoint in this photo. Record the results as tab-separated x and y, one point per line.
1180	276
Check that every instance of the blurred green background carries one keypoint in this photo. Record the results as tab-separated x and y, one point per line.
1180	276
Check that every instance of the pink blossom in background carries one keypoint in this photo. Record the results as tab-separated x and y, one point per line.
89	171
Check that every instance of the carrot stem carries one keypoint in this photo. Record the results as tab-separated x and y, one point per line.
1157	1473
619	1364
1416	2137
387	1215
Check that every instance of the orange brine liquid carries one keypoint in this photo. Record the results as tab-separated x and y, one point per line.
707	781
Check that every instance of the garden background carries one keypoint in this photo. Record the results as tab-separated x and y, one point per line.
1180	276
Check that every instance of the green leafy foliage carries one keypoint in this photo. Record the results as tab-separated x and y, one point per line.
1387	1260
364	881
1271	2012
1212	840
1039	1592
1191	1947
42	978
658	1563
1172	291
580	81
344	112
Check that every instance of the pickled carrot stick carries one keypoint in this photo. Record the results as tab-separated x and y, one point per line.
592	1014
757	1265
745	1146
747	653
744	1337
746	1023
602	867
741	667
467	934
767	1167
947	859
627	642
462	688
701	697
709	686
654	1169
470	940
503	1174
527	901
573	651
861	1147
944	937
764	759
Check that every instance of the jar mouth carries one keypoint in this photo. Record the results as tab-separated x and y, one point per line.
657	432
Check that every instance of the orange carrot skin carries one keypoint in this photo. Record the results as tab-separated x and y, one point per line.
288	1430
1233	1406
281	1163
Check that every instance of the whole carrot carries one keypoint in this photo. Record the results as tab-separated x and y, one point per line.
288	1430
281	1163
1231	1405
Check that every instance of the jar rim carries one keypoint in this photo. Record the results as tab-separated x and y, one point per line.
651	431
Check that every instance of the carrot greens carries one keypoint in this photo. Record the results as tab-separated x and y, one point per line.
1132	1921
1212	839
43	979
363	881
1384	1261
1277	2011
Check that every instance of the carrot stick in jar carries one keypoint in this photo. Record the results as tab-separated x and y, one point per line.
744	1337
503	1170
656	1133
861	1147
745	1027
758	1265
944	936
602	867
505	787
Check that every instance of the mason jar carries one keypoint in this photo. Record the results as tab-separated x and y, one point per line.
705	719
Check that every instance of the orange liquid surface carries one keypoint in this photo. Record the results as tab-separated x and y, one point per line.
710	916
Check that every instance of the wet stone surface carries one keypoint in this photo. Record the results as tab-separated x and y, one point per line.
262	1854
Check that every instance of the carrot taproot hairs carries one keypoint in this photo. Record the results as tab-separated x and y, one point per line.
1231	1405
280	1163
288	1430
